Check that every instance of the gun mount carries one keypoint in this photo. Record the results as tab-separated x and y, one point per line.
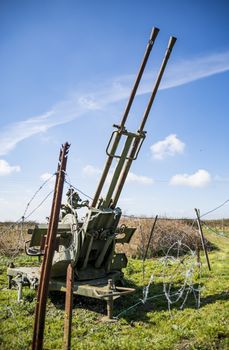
90	245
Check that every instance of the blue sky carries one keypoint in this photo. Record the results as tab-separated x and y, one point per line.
66	70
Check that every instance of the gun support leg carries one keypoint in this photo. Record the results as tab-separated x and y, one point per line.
9	281
19	293
110	303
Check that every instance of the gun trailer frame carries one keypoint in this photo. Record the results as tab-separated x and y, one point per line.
89	246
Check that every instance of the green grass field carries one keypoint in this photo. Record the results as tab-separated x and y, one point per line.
148	326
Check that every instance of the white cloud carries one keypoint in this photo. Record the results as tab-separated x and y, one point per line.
47	177
144	180
187	71
170	146
178	73
199	179
90	170
7	169
126	200
59	114
89	102
219	178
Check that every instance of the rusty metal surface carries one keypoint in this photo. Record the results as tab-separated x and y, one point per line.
68	307
150	237
42	294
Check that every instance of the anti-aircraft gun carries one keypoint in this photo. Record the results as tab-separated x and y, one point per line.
90	244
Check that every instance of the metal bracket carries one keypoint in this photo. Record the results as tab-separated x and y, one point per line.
33	251
126	133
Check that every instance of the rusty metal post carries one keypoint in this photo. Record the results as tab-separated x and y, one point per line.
134	150
150	238
202	237
152	39
42	293
68	307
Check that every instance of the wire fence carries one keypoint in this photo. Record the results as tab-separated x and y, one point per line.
180	272
178	259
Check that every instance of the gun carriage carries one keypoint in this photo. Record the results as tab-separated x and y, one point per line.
89	245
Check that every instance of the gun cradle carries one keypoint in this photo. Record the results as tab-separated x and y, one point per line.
89	246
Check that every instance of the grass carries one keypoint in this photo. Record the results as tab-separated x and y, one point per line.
148	326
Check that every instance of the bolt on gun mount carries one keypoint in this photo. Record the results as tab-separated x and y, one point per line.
90	245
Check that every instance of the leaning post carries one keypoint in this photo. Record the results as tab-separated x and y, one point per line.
50	246
202	237
68	307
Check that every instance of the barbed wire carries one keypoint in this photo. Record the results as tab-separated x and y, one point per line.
213	230
216	208
180	295
188	287
24	217
185	266
179	273
77	189
39	205
36	193
187	272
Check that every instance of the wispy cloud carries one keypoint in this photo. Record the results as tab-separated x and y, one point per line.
61	113
178	73
91	171
181	72
219	178
187	71
170	146
144	180
47	177
7	169
201	178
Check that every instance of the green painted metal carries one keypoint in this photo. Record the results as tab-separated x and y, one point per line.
121	127
118	170
90	246
135	147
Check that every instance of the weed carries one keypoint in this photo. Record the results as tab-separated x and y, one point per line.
148	326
